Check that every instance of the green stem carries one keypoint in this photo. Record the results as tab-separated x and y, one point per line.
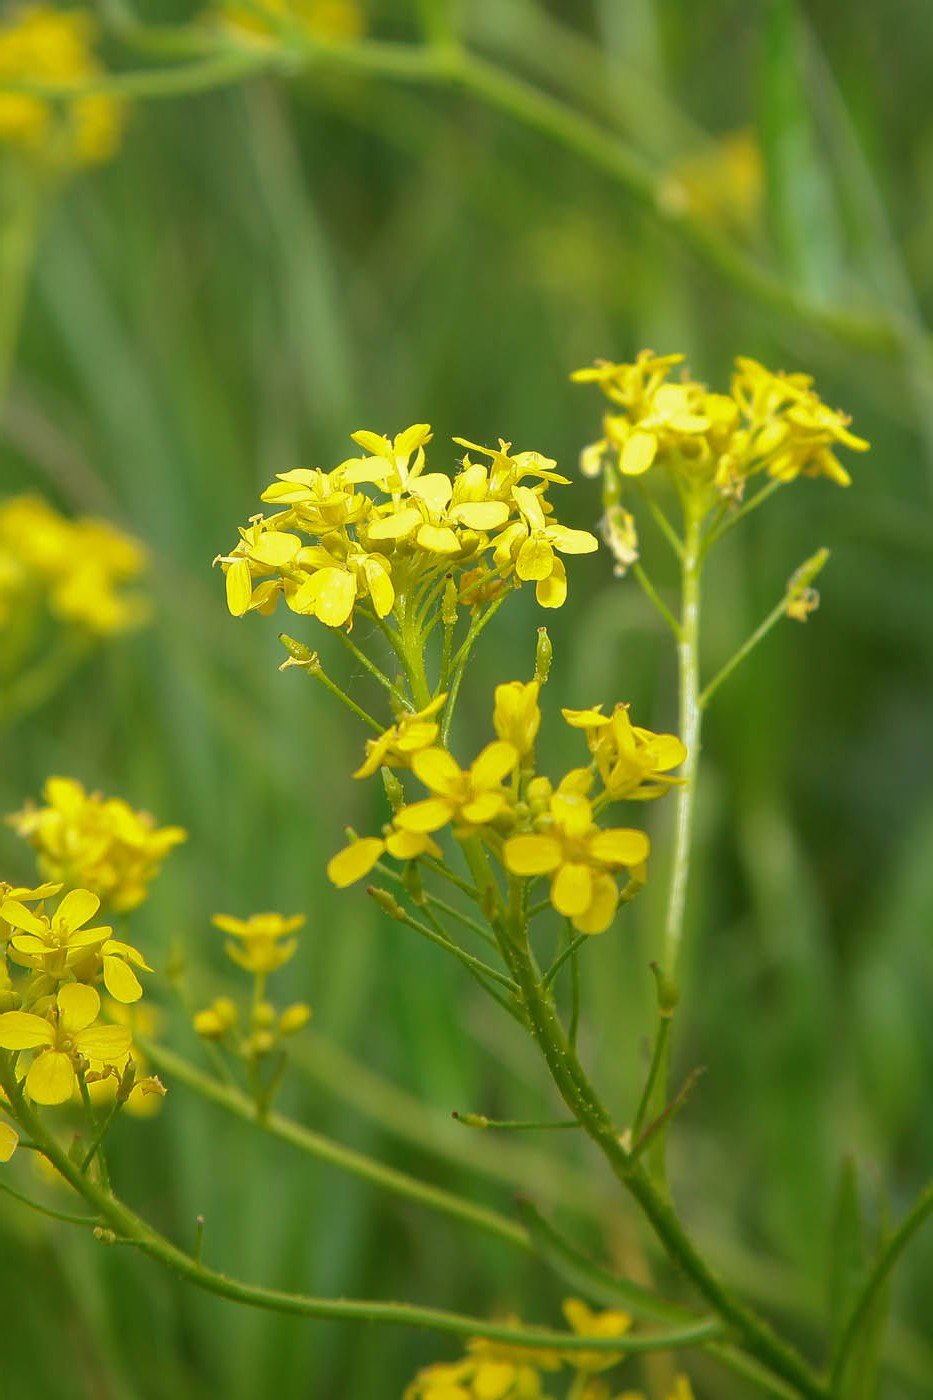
778	612
658	1060
21	204
53	1214
580	1097
439	936
879	1273
373	670
719	530
317	1145
129	1228
688	673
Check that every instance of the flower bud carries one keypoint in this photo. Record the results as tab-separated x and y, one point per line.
544	654
294	1018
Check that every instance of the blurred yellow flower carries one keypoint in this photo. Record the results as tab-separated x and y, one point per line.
588	1323
258	945
99	843
723	183
45	45
65	1040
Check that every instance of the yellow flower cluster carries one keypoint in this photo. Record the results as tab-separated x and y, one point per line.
101	843
51	1009
258	945
45	45
530	826
76	569
497	1371
335	549
772	423
262	21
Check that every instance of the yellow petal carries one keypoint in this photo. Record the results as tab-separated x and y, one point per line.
335	595
437	770
51	1079
396	525
552	592
78	1006
109	1043
379	583
484	808
76	908
239	587
572	541
20	917
275	548
638	453
21	1030
9	1137
572	889
602	907
354	861
429	815
531	855
535	559
121	981
481	515
438	539
493	764
620	846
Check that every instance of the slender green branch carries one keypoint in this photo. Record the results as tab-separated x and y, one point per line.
658	1060
562	956
317	1145
662	522
881	1269
654	597
432	900
440	937
373	669
129	1228
50	1211
758	1337
719	529
479	1120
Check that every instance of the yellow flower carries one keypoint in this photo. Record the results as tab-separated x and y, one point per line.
101	844
145	1097
260	947
580	859
768	422
476	1379
54	944
587	1323
358	859
632	762
468	798
529	544
9	1138
77	567
516	717
22	894
723	183
216	1020
412	732
66	1041
42	44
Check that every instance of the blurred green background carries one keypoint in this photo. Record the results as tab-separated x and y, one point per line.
263	270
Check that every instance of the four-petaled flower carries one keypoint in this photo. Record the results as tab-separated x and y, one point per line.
260	948
67	1040
580	859
396	746
633	763
468	798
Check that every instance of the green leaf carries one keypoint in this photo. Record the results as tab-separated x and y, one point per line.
847	1258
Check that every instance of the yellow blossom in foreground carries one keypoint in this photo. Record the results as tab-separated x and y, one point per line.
468	798
22	894
379	529
633	763
99	843
9	1138
259	945
580	859
475	1378
65	1041
46	45
395	748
